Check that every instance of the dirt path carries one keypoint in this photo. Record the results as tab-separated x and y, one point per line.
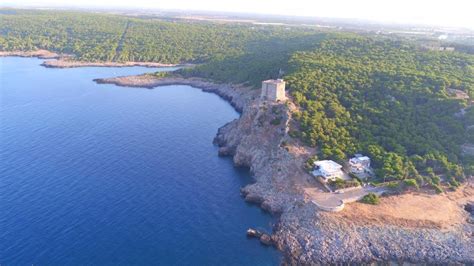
119	48
332	200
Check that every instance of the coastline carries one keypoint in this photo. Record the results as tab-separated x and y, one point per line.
304	234
55	60
237	96
67	63
41	54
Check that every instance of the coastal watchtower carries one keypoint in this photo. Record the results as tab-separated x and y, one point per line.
273	90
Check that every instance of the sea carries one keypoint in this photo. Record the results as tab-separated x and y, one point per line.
105	175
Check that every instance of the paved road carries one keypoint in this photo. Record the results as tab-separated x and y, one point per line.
334	199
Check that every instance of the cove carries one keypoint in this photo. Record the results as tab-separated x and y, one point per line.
99	174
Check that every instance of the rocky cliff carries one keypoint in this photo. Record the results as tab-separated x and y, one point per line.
259	140
306	235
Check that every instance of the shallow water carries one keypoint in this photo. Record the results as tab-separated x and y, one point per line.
99	174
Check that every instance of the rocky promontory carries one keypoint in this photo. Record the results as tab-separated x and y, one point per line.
306	235
42	54
407	228
238	96
68	63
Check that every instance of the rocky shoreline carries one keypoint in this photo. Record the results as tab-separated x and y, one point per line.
238	96
42	54
67	61
304	234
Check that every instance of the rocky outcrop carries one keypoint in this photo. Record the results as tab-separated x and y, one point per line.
469	207
237	96
264	238
307	236
258	144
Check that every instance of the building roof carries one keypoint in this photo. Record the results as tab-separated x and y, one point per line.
328	165
362	158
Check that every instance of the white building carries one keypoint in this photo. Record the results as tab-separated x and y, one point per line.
359	164
447	48
328	170
273	90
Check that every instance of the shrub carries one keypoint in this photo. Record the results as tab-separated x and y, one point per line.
438	189
275	121
294	134
435	179
340	184
355	177
454	184
370	198
337	184
309	165
275	110
352	175
393	185
162	74
411	183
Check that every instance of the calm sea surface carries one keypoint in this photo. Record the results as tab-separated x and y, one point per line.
98	174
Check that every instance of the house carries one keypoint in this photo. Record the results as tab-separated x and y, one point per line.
437	47
359	164
447	48
273	90
327	170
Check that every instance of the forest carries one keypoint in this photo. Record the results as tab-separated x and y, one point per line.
384	96
389	100
104	37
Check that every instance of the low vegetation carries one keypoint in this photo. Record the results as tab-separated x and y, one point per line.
370	198
275	121
341	184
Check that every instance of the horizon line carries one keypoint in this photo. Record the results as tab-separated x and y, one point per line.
349	20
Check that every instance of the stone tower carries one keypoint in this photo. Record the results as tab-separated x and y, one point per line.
273	90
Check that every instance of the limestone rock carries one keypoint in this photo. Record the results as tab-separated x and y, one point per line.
266	240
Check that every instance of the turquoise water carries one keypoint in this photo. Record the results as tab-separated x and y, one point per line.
99	174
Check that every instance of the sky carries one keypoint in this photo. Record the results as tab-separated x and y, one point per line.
459	13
